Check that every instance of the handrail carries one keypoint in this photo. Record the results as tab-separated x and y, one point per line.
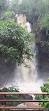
24	100
18	108
20	93
16	93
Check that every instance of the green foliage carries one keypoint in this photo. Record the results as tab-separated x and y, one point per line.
14	41
7	14
3	6
11	89
44	88
11	97
16	97
14	5
44	22
32	8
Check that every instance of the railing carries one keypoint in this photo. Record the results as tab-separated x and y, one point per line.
22	108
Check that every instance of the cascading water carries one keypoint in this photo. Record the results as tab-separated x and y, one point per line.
25	78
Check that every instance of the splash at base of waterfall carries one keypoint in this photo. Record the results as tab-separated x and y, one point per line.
26	79
30	86
27	86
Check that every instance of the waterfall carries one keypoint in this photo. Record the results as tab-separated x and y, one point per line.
26	79
21	19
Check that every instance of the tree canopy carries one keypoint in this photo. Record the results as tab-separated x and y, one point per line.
32	8
12	35
14	41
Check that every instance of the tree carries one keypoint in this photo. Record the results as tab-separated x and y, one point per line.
32	8
14	41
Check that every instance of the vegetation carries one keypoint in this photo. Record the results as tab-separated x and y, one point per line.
3	6
44	88
13	97
44	23
11	89
35	11
16	97
14	5
33	7
14	40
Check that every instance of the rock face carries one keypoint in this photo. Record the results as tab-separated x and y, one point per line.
42	49
6	69
42	42
42	37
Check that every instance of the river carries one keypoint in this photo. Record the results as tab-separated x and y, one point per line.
25	79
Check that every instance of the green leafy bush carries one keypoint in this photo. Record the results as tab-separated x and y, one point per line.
45	88
11	89
14	41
